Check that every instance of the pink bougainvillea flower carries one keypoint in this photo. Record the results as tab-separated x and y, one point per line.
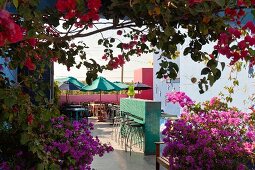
179	97
208	138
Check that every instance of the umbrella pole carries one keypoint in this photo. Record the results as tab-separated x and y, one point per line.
117	96
100	114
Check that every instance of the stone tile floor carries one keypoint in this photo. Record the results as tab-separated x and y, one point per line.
118	159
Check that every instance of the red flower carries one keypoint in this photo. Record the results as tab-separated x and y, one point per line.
94	5
104	57
30	119
250	39
65	5
32	42
242	45
68	7
192	2
240	3
38	57
125	46
29	64
119	32
230	12
121	60
241	13
15	109
9	30
235	32
143	38
135	37
54	59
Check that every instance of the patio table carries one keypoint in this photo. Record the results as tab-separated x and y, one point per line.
78	113
74	106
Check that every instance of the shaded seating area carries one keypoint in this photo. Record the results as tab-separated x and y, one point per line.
75	112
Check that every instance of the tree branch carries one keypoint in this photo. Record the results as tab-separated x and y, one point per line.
79	35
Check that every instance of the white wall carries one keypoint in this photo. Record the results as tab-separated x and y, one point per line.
162	86
189	69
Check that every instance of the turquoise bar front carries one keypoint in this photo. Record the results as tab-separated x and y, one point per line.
150	111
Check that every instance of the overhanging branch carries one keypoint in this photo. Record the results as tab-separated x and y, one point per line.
79	35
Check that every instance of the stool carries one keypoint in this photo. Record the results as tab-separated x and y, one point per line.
134	136
123	129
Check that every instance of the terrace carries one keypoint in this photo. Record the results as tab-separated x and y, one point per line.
197	47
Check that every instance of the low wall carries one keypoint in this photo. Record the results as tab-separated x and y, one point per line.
105	98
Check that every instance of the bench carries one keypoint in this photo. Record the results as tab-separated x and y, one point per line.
161	160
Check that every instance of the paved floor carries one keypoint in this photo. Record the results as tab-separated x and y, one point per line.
119	159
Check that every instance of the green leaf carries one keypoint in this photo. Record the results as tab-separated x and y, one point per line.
40	167
220	2
54	166
187	51
236	83
253	12
24	138
222	65
15	3
211	79
100	41
205	71
168	31
212	63
112	40
217	74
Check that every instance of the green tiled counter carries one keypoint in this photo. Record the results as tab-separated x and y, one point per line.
150	111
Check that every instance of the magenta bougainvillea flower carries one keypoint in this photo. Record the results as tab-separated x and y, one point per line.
208	138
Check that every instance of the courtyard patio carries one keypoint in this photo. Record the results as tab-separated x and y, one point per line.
118	159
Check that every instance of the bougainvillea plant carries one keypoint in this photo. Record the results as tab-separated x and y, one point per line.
210	135
36	33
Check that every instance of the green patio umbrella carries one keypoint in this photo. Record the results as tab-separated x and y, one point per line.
72	80
101	84
121	85
70	83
